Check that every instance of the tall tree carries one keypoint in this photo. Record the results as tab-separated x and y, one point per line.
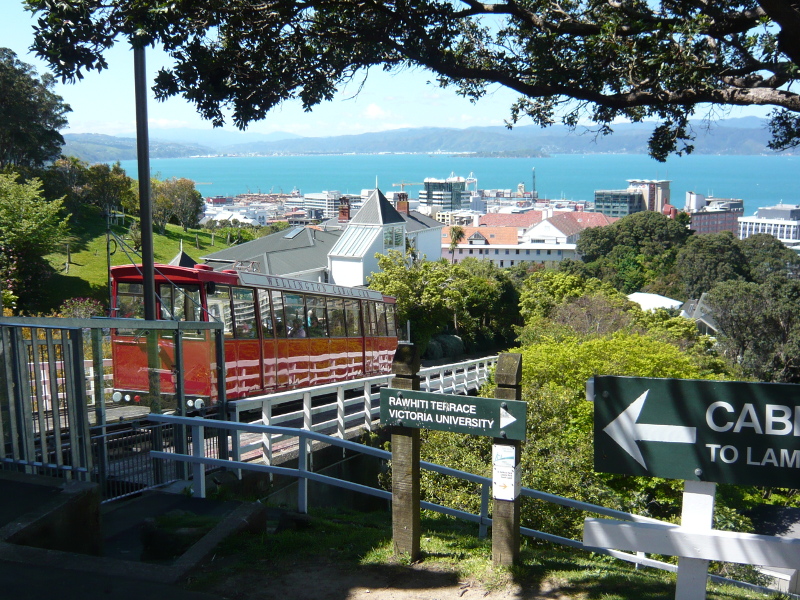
109	187
163	208
187	202
421	292
709	259
568	61
30	228
456	237
31	115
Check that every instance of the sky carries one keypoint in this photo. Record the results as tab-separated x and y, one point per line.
104	102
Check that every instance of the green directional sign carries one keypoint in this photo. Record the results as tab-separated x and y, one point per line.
716	431
461	414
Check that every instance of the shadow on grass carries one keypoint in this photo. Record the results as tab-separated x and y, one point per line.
350	553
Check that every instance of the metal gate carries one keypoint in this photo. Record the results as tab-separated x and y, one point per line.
55	399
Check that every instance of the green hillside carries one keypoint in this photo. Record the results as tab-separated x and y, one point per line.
87	273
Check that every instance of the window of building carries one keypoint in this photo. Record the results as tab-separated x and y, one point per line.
517	251
549	252
506	250
501	263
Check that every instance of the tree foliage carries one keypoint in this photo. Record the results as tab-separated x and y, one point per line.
759	326
476	298
708	259
600	61
31	115
30	228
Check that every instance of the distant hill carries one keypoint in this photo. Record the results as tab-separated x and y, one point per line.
744	136
95	147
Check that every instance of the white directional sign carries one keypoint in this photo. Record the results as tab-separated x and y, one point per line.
714	431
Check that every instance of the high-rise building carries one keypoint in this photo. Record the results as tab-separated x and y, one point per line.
618	203
444	194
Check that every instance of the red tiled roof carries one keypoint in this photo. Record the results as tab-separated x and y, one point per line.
525	219
573	222
504	236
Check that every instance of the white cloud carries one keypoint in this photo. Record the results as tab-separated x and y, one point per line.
375	112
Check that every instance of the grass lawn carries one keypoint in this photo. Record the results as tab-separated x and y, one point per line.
351	545
87	275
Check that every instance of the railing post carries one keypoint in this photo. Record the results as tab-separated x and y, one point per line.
505	516
266	438
308	425
198	468
368	406
302	480
406	526
483	528
340	428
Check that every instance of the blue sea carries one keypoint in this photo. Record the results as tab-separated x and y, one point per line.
758	180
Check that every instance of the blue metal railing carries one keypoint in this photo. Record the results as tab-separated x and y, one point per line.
304	475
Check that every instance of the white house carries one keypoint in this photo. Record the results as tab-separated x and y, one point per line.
376	228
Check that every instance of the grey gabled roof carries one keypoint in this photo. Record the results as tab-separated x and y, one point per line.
416	221
183	260
377	210
280	253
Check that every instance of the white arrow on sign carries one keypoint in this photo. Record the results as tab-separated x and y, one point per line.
506	418
626	431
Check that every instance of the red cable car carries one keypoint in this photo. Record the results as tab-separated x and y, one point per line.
280	333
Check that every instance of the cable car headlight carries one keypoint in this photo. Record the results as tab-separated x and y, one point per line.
116	396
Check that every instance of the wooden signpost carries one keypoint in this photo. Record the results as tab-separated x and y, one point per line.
407	410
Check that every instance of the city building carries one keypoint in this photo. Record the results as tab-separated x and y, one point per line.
565	227
654	191
641	194
782	221
501	246
322	205
619	203
444	194
713	215
376	228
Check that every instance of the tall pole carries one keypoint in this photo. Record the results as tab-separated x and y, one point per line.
143	159
146	221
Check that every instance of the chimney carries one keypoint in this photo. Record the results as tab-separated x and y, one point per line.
344	210
402	202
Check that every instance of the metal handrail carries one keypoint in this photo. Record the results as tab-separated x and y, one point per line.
304	475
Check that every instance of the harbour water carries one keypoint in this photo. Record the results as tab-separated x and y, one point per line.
758	180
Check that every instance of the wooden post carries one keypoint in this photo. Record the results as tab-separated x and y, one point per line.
406	526
505	513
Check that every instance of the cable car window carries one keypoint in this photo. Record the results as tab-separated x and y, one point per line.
391	325
352	313
317	321
244	313
180	303
380	315
294	308
219	307
369	318
277	306
336	317
267	325
130	304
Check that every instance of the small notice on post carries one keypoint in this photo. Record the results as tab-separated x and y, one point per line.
505	472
